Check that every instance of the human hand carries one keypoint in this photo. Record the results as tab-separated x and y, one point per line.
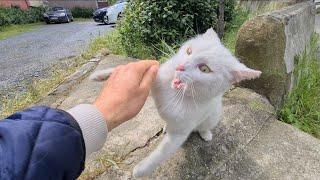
126	91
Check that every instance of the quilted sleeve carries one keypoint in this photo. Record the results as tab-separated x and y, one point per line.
41	143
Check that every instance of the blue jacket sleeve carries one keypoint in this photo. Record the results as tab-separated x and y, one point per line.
41	143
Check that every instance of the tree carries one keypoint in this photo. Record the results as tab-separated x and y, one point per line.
220	24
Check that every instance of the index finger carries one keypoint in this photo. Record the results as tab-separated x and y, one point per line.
143	65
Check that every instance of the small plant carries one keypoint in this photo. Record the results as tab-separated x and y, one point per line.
302	105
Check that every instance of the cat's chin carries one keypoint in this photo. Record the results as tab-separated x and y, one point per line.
177	84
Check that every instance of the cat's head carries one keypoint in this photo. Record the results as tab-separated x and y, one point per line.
204	67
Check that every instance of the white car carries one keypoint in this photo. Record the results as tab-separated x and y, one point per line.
110	14
317	2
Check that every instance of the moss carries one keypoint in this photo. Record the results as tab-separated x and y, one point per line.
258	105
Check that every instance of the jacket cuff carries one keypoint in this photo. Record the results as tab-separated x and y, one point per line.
92	124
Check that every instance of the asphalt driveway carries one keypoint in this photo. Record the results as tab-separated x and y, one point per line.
27	55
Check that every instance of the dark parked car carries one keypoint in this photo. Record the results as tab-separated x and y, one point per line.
57	15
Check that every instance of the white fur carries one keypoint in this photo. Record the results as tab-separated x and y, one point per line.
198	105
101	75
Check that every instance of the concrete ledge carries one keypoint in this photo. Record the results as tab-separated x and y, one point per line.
270	42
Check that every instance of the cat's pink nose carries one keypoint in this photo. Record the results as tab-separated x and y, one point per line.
180	67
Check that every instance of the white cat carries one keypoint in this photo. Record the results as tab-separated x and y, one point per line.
188	93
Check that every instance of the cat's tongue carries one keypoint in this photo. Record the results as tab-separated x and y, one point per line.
177	83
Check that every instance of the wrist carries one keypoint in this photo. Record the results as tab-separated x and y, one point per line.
108	115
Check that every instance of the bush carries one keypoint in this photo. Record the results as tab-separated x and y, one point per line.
15	15
79	12
148	22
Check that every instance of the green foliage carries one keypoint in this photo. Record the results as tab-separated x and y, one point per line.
302	106
15	15
230	36
79	12
147	23
110	40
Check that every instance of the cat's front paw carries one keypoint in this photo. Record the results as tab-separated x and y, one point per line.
206	135
141	169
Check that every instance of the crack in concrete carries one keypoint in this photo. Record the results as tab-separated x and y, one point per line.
147	143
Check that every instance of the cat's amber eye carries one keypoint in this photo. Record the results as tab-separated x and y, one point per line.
204	68
189	50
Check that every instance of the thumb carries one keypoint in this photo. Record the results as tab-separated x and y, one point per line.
149	77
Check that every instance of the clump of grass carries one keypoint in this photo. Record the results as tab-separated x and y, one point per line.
302	105
230	36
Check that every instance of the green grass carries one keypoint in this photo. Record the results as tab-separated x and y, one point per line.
13	30
302	105
111	41
230	36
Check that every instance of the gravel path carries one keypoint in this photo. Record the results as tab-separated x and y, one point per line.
27	55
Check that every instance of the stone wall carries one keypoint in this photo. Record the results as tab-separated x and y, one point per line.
270	42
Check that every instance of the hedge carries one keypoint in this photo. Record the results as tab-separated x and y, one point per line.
79	12
15	15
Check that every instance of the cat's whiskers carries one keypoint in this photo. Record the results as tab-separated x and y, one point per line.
177	105
174	98
179	98
193	91
182	98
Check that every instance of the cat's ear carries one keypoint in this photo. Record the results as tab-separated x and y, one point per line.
242	72
211	34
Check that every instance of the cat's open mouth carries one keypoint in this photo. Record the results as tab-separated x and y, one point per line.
177	84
